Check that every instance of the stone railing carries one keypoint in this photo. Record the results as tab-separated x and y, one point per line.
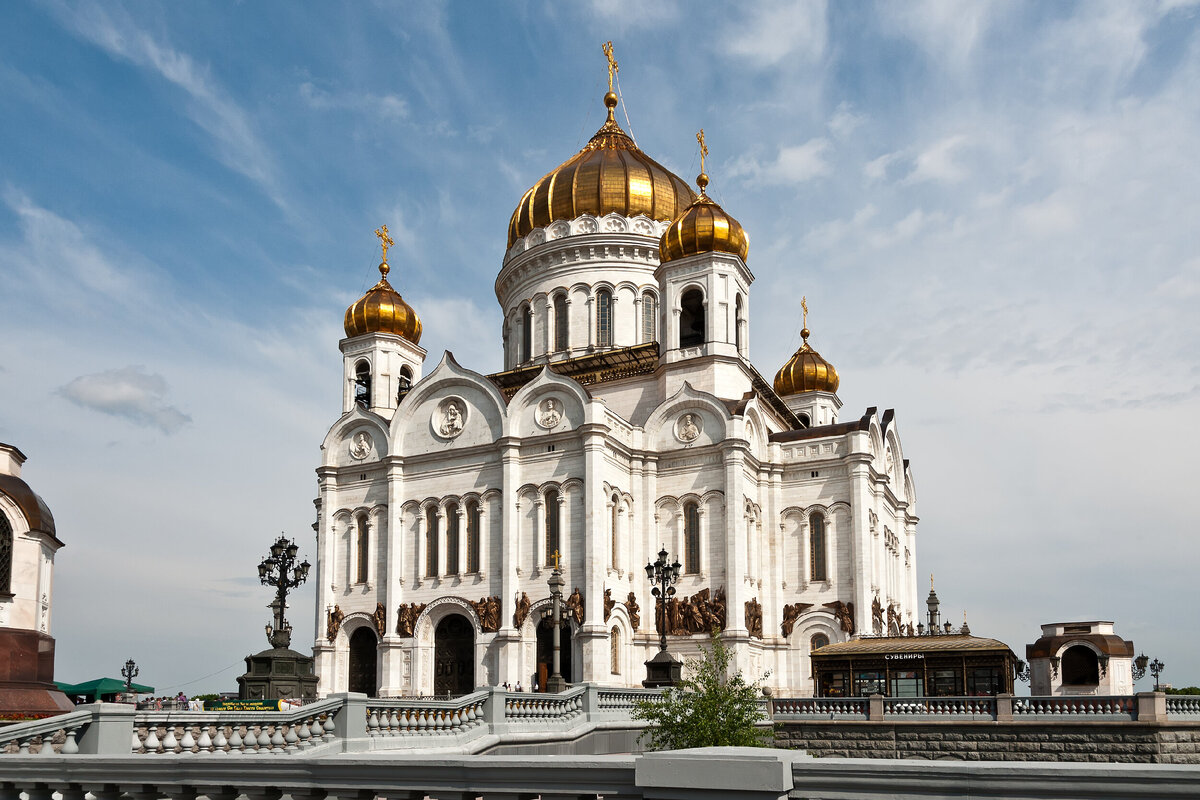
1183	707
404	717
1119	708
1144	707
926	707
235	732
820	708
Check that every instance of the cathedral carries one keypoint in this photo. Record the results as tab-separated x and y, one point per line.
628	419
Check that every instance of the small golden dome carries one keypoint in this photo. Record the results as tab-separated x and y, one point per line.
704	227
383	310
806	371
610	174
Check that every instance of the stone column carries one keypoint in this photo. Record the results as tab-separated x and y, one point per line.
508	639
593	635
857	533
735	556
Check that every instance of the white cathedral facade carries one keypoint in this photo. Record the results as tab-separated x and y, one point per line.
628	418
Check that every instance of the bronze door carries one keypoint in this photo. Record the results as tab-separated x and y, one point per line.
453	656
362	662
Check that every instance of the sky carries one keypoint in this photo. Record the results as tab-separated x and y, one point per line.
991	207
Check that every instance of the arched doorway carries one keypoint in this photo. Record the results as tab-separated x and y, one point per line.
545	653
362	662
453	656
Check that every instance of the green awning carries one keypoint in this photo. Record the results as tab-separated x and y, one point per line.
99	687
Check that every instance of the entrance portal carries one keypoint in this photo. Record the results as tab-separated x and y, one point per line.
545	653
362	662
453	656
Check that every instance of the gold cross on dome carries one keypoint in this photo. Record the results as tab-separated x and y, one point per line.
385	240
556	556
804	305
703	148
612	63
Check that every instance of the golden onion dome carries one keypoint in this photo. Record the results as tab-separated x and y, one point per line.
806	371
704	227
610	174
383	310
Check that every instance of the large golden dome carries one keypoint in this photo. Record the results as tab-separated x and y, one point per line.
383	310
806	371
704	227
610	174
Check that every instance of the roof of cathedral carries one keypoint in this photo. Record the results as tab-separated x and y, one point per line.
33	507
704	227
383	310
863	423
909	644
608	365
610	174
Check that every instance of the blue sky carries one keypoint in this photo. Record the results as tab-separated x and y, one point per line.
990	206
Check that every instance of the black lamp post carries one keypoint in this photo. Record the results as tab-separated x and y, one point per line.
1156	668
279	569
555	683
663	669
129	672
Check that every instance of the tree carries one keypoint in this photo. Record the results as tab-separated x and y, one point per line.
715	707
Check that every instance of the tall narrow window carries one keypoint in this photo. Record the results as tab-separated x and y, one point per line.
472	536
6	555
362	384
403	383
560	322
612	528
552	539
431	541
614	644
737	323
649	317
604	318
691	318
691	538
816	548
526	333
362	548
452	522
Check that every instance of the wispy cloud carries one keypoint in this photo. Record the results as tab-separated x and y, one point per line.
209	105
793	164
385	106
129	393
772	32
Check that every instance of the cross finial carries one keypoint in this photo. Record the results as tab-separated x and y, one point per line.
804	305
556	556
931	581
703	148
385	240
612	63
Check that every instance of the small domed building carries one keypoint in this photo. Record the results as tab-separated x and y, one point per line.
628	417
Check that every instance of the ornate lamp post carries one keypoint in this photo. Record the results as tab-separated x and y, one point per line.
555	683
1139	666
663	669
279	569
129	672
1156	668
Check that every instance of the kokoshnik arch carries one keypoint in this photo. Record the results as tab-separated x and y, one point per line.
628	416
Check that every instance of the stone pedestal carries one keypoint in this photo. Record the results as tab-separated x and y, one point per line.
663	670
27	675
278	674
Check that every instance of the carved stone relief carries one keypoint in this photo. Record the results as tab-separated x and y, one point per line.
522	610
608	603
631	605
334	623
406	617
488	611
574	606
791	613
449	417
361	445
754	618
549	413
844	614
380	619
688	428
695	614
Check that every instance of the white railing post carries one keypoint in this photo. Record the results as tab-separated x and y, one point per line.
110	730
350	719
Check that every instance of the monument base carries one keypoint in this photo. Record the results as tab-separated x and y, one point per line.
27	689
663	670
278	674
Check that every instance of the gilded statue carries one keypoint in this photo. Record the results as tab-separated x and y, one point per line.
575	606
877	615
488	611
380	619
791	613
334	623
695	614
522	610
631	605
844	614
406	618
754	618
608	603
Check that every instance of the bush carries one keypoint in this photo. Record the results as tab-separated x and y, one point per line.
712	708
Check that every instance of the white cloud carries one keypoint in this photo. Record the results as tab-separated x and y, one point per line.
772	32
845	121
939	162
793	164
385	106
130	393
948	33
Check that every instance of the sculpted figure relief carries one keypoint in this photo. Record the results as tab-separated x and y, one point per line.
361	445
844	614
893	620
334	623
550	415
754	620
452	418
631	605
522	610
406	618
791	613
488	611
695	614
608	603
380	619
575	606
877	615
689	429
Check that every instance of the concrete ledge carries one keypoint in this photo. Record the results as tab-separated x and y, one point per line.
714	772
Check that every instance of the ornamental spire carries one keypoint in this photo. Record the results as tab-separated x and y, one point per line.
610	98
385	242
804	330
702	178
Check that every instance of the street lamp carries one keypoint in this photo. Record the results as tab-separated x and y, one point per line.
1156	668
280	570
555	683
1139	666
129	672
663	669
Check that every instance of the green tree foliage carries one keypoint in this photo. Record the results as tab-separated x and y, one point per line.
715	707
1182	690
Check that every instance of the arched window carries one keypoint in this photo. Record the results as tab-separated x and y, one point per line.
362	548
472	536
452	539
613	513
614	650
1080	667
691	538
817	641
526	333
737	323
362	384
6	556
404	383
691	319
604	318
552	541
649	317
816	548
431	541
804	420
560	322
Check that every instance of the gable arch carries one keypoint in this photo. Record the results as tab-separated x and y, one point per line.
335	447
